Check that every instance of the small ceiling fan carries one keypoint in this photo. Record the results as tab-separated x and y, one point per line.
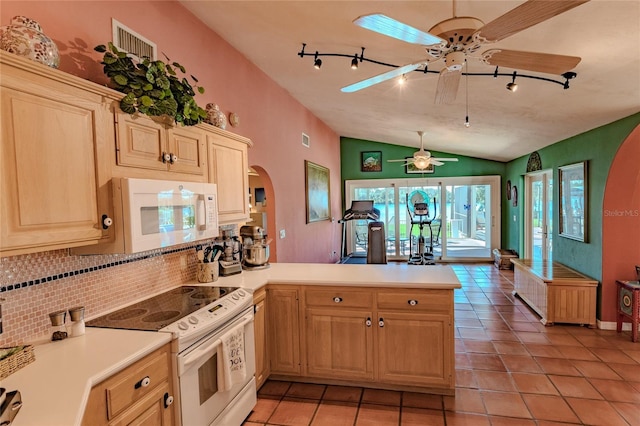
421	158
458	38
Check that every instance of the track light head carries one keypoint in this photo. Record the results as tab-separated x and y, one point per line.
466	122
512	87
495	73
317	63
354	62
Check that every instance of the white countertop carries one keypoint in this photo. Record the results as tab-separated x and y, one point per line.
55	388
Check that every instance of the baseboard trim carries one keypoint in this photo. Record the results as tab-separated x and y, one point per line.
611	325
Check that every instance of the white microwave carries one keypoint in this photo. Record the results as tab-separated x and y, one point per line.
160	213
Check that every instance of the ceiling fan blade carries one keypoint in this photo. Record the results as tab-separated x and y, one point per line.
380	78
444	159
531	61
448	83
435	162
384	25
406	160
524	16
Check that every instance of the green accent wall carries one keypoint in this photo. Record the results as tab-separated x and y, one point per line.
598	147
350	162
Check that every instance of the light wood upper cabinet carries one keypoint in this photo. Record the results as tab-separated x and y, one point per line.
152	144
51	131
284	330
229	169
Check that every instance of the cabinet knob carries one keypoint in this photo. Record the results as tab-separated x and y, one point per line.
381	322
412	302
337	299
168	400
368	322
166	157
146	381
106	221
173	158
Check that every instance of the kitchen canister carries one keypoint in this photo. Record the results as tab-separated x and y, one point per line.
207	272
24	37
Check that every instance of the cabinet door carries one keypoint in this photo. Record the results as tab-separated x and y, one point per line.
188	144
48	176
284	331
339	343
260	327
228	168
150	411
141	142
415	349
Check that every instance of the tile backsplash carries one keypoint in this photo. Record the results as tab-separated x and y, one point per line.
33	285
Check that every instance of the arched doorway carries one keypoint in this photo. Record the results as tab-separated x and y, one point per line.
263	210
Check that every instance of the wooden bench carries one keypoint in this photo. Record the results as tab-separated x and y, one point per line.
557	293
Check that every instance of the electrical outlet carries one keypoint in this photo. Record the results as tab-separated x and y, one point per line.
282	234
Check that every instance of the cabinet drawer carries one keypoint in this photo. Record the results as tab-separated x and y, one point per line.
416	300
129	388
339	297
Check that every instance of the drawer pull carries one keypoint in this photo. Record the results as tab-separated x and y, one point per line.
368	322
412	302
381	322
168	400
146	381
337	299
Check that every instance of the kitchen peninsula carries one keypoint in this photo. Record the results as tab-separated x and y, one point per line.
383	326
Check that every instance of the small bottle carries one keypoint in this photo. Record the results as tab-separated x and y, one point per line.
77	318
58	319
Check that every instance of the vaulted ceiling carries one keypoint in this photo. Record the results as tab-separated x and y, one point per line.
504	124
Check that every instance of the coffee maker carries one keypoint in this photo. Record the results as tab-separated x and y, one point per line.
255	247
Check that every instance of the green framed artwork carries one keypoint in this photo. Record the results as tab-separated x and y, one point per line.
371	161
318	194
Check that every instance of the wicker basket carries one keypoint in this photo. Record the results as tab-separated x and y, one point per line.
15	362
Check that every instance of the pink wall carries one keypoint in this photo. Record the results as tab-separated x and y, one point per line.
621	222
269	116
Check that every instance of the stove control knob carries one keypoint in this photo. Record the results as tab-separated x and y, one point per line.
193	320
241	293
183	325
235	296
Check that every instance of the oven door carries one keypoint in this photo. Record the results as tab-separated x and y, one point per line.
201	400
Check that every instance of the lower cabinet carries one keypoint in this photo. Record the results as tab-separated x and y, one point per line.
260	332
284	330
392	338
141	394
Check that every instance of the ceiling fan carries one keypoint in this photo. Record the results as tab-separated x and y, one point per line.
458	38
422	159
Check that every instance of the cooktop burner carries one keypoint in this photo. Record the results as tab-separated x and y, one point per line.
159	311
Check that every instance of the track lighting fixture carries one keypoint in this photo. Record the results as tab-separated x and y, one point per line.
512	86
402	79
466	78
355	59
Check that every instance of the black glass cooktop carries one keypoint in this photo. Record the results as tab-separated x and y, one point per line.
159	311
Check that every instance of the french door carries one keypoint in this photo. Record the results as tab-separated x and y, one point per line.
539	215
464	214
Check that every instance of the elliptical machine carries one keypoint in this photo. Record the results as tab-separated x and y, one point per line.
422	218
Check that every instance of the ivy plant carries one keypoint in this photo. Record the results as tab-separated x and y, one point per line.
152	87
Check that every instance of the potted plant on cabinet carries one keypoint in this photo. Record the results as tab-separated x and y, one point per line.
152	87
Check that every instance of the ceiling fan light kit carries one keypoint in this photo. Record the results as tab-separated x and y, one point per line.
456	39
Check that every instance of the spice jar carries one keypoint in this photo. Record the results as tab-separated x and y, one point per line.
77	318
58	319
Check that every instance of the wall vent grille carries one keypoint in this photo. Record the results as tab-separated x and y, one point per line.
306	141
137	46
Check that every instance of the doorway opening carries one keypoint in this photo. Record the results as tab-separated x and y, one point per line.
262	208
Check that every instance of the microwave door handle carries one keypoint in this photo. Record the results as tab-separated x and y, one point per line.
198	355
202	213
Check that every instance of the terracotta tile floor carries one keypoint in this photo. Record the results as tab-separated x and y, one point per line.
510	370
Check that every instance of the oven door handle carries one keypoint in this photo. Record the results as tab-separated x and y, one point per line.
206	351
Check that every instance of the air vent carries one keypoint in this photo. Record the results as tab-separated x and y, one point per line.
124	38
306	141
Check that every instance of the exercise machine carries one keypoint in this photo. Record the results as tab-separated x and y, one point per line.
422	218
376	248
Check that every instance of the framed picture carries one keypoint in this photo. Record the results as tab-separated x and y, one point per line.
371	161
410	168
573	201
318	195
